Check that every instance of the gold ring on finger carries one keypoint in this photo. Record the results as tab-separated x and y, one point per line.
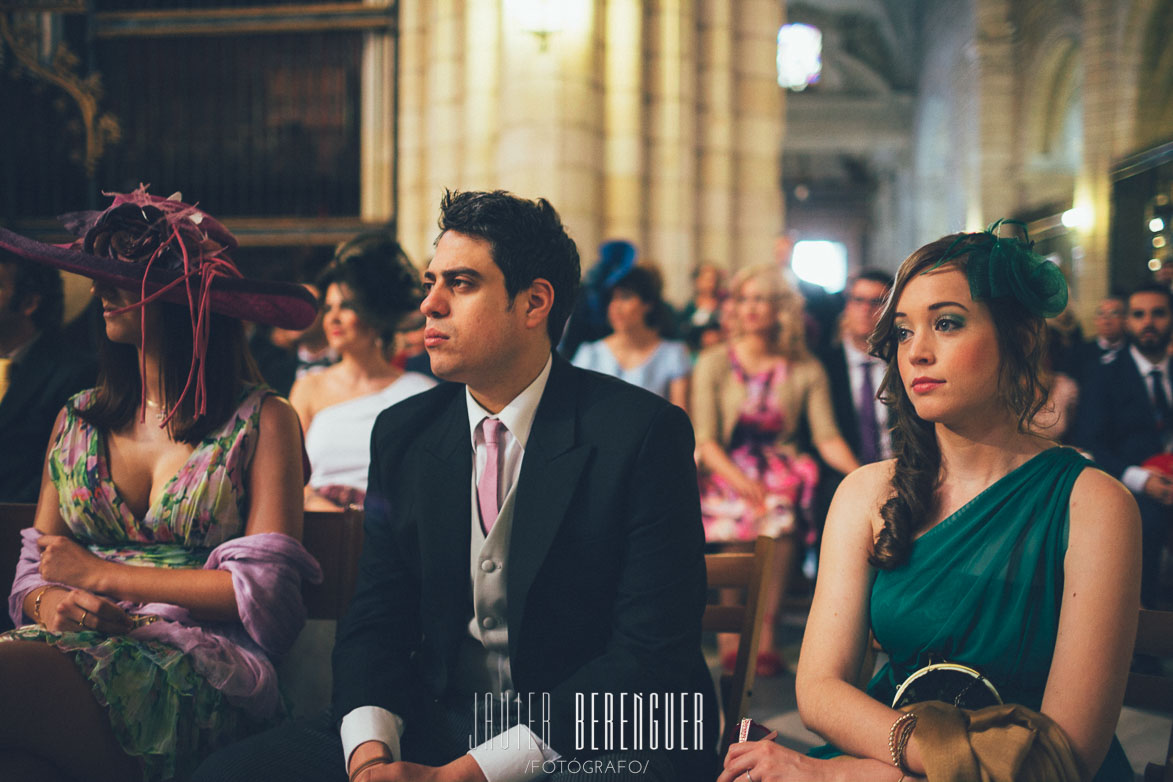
84	614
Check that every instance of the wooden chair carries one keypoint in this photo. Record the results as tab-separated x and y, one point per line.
747	572
1154	637
335	540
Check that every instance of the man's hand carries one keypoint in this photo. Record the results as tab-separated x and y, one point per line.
1159	488
463	769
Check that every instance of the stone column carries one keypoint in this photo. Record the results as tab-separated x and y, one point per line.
658	122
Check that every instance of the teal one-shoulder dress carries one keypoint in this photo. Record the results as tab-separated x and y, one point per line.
984	588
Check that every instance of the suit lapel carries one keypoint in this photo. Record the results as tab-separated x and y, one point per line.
445	492
550	473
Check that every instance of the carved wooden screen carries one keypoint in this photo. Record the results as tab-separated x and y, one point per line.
254	111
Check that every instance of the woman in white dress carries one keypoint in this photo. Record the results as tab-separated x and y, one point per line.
370	287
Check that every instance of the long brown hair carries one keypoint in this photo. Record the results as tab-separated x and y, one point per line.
229	367
1021	388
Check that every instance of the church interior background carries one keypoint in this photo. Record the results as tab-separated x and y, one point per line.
663	122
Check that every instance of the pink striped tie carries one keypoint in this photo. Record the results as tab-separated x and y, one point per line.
487	489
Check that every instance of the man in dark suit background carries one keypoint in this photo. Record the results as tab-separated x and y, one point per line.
1110	338
532	538
854	378
1125	417
37	373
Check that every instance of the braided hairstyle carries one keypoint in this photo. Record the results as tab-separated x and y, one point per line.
1021	347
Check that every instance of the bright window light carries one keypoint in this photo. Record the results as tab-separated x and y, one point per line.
800	56
821	262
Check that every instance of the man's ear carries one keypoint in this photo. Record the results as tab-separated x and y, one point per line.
537	299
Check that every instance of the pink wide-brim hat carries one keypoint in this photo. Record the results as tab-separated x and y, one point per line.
195	267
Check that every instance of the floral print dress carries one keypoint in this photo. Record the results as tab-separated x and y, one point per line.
789	478
161	708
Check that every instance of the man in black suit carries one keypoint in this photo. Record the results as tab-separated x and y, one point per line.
1110	337
532	541
37	373
854	378
1125	418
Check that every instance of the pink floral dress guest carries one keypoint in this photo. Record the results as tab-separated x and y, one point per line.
176	688
789	477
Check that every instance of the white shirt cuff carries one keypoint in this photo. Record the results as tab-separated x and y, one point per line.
1134	478
517	755
370	723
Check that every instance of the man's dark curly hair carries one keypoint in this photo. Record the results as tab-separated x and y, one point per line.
526	240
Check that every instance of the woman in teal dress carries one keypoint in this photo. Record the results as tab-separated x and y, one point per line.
980	543
163	570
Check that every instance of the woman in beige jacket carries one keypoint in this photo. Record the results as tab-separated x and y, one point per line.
751	398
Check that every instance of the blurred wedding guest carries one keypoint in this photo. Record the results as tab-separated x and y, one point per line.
164	569
1125	419
750	400
410	352
284	355
636	351
370	287
1054	418
854	375
695	323
37	371
588	319
1110	334
854	378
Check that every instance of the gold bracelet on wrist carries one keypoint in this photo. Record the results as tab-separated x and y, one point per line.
37	604
898	738
381	760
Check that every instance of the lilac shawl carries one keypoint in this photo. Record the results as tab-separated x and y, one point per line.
267	570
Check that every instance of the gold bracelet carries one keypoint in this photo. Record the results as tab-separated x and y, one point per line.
898	739
37	603
382	759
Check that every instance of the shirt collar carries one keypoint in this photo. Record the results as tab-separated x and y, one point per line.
855	356
518	415
1144	365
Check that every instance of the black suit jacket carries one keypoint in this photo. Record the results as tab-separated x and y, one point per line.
606	581
846	416
1116	421
39	386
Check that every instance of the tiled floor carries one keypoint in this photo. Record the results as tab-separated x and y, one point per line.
1144	735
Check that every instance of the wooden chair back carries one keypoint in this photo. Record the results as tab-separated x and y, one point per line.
748	573
335	540
1154	637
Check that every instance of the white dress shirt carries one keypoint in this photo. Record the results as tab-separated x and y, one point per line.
856	361
517	754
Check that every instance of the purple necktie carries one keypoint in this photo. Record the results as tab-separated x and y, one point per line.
869	433
487	497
